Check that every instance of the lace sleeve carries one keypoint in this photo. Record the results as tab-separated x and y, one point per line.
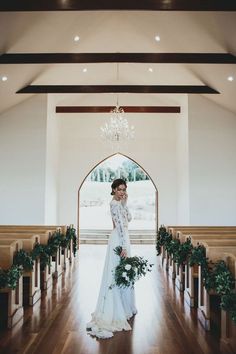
119	223
128	215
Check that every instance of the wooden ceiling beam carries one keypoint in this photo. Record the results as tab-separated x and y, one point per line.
198	89
92	5
76	58
127	109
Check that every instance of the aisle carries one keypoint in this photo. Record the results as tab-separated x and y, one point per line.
164	324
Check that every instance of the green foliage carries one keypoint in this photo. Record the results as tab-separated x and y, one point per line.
208	276
35	253
129	166
54	242
172	247
219	278
42	252
3	278
163	238
128	170
24	259
216	276
198	256
182	252
224	282
228	303
129	270
45	256
65	242
71	235
10	277
118	250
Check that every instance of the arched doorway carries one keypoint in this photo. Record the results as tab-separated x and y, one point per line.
94	221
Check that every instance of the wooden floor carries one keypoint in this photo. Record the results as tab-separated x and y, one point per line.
164	323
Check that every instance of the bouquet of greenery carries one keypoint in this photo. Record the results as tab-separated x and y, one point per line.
129	270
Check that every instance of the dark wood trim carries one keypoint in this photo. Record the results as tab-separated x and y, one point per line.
74	58
117	88
127	109
91	5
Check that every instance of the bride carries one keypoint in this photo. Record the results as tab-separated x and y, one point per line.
114	305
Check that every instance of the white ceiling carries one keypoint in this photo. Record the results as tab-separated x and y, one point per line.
117	31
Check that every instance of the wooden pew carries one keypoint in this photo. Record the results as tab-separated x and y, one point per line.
174	271
23	228
28	243
228	328
214	251
201	235
14	306
63	259
189	275
57	262
222	239
46	275
174	229
185	275
178	273
56	268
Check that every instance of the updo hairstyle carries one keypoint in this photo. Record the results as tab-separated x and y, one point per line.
116	183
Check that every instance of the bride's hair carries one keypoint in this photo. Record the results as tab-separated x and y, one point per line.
116	183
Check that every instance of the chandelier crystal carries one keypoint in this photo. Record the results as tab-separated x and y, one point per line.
117	129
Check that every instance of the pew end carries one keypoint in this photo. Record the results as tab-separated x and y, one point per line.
13	297
214	251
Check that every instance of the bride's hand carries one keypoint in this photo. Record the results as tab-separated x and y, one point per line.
124	199
123	253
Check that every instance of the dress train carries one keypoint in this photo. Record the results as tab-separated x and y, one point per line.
115	306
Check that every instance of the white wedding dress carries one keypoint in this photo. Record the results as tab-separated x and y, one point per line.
115	305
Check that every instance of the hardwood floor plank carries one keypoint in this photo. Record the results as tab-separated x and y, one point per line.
57	324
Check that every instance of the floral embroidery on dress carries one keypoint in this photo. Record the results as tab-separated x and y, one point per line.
121	216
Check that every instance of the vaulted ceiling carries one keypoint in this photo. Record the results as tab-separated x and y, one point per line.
117	52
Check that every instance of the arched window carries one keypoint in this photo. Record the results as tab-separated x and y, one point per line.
94	198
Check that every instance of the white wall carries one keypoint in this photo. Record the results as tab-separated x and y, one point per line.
81	148
212	156
52	172
22	161
190	157
182	164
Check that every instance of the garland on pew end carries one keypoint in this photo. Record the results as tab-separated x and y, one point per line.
24	261
9	278
216	276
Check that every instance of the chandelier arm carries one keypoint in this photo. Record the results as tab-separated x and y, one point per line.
117	129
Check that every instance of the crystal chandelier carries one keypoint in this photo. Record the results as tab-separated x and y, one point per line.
117	129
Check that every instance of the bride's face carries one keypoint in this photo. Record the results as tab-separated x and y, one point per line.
120	192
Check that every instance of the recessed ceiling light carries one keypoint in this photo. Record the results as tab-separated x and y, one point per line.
4	78
76	38
150	70
84	70
230	78
157	38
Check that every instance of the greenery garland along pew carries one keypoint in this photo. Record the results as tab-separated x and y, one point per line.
24	261
216	276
